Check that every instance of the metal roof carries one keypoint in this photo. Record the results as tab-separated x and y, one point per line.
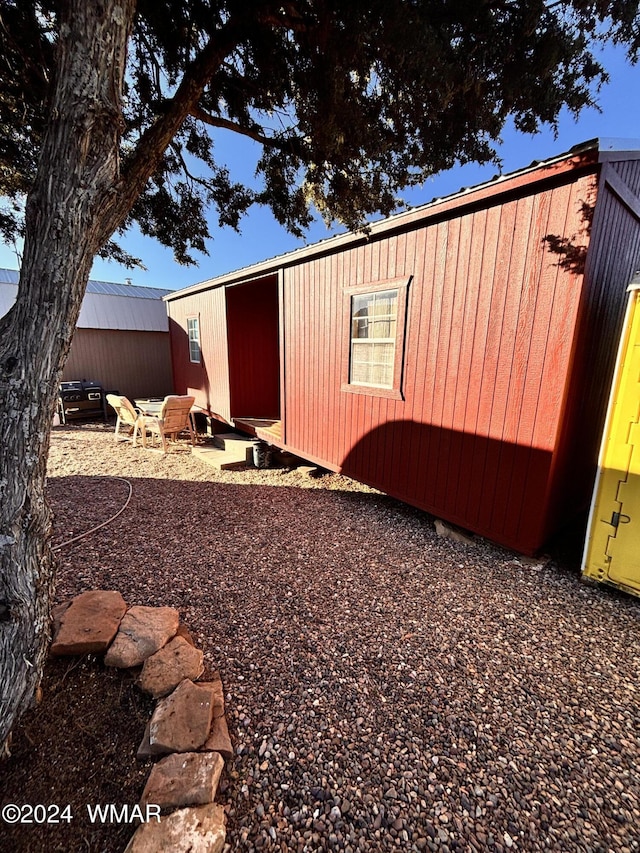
112	288
602	148
9	276
106	305
8	293
105	311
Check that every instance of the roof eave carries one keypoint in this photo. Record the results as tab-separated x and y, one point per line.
585	155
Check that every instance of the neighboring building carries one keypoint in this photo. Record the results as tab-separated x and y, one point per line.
458	357
121	338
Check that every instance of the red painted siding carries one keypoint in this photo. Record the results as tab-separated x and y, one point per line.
514	301
489	339
208	381
254	352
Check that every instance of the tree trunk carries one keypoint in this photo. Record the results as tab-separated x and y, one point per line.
65	227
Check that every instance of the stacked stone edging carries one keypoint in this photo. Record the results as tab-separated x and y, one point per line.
188	730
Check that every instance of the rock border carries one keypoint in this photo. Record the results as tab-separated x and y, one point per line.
187	732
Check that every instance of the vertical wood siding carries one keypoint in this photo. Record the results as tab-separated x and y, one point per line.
514	306
490	334
137	364
208	381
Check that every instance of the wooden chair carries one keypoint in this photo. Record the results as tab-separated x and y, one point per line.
126	414
174	417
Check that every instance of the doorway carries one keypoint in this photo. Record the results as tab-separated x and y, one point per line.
254	349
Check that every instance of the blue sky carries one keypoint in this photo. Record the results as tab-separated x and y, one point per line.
261	237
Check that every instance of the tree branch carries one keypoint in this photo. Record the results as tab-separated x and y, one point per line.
188	174
156	139
227	124
155	64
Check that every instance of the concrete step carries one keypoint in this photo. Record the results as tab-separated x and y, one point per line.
221	459
239	444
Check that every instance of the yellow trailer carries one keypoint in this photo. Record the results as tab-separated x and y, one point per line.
612	548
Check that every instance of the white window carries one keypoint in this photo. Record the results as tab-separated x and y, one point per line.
375	327
193	329
374	324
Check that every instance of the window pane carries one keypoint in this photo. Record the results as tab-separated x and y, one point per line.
373	332
359	328
359	372
385	303
372	363
374	327
382	329
360	306
193	331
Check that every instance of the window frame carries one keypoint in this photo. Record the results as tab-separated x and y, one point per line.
191	318
401	285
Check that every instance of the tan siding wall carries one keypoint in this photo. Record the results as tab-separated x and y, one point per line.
137	364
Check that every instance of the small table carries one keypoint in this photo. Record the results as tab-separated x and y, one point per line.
153	407
149	407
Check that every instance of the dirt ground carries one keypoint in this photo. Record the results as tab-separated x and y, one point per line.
77	747
386	689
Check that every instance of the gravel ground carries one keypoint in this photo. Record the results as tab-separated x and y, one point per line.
386	689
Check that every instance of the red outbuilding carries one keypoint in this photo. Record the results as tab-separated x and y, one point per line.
457	357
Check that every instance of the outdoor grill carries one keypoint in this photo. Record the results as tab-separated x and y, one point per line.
81	399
